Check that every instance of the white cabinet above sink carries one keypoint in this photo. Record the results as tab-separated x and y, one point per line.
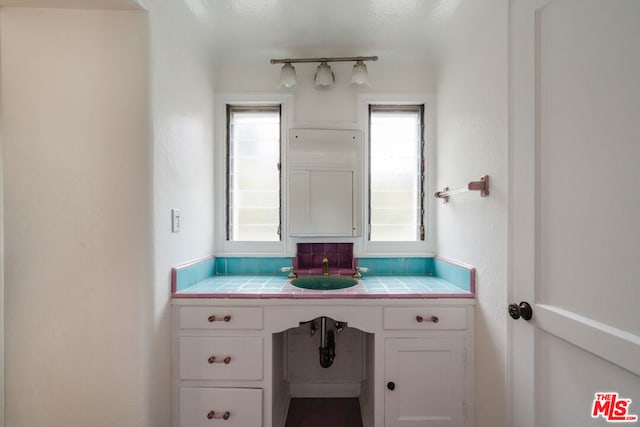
325	188
321	203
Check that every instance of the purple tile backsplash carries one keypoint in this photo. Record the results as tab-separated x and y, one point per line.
310	256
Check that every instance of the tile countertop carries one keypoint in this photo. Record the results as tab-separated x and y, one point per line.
233	286
254	277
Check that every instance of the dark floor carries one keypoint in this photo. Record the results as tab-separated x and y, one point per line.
324	412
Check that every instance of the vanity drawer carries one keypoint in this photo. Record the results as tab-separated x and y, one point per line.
221	318
427	318
230	407
221	358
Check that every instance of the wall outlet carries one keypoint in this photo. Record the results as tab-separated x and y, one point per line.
175	220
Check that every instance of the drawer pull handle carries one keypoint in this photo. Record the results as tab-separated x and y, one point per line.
433	319
212	415
225	319
213	359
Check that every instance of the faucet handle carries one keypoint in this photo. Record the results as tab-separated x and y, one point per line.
291	270
357	274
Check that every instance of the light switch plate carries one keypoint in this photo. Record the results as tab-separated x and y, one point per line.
175	220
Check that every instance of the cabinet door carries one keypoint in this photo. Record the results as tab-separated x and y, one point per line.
321	202
424	382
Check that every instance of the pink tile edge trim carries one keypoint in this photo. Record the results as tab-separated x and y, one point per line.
454	262
193	262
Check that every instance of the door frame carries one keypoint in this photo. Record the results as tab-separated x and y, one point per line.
521	206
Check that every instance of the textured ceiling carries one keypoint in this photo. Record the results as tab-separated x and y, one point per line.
395	29
244	31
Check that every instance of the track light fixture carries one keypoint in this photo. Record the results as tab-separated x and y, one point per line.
359	75
288	76
324	77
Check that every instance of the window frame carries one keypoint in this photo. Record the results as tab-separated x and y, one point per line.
406	248
231	247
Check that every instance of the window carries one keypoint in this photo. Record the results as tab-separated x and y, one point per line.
253	173
396	173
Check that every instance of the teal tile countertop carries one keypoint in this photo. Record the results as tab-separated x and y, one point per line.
280	287
204	279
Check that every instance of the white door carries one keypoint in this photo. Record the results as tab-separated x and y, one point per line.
574	212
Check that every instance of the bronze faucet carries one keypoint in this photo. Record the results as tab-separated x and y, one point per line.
325	267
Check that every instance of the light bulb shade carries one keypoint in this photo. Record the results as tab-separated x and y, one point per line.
324	76
359	75
288	76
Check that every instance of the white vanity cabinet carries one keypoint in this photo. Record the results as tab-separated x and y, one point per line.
229	359
425	366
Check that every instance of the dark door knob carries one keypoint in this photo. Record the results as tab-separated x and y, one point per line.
391	385
523	310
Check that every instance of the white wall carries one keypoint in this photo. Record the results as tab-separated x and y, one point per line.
472	138
82	107
182	115
77	186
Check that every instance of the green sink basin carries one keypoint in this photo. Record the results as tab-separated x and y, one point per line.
324	283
